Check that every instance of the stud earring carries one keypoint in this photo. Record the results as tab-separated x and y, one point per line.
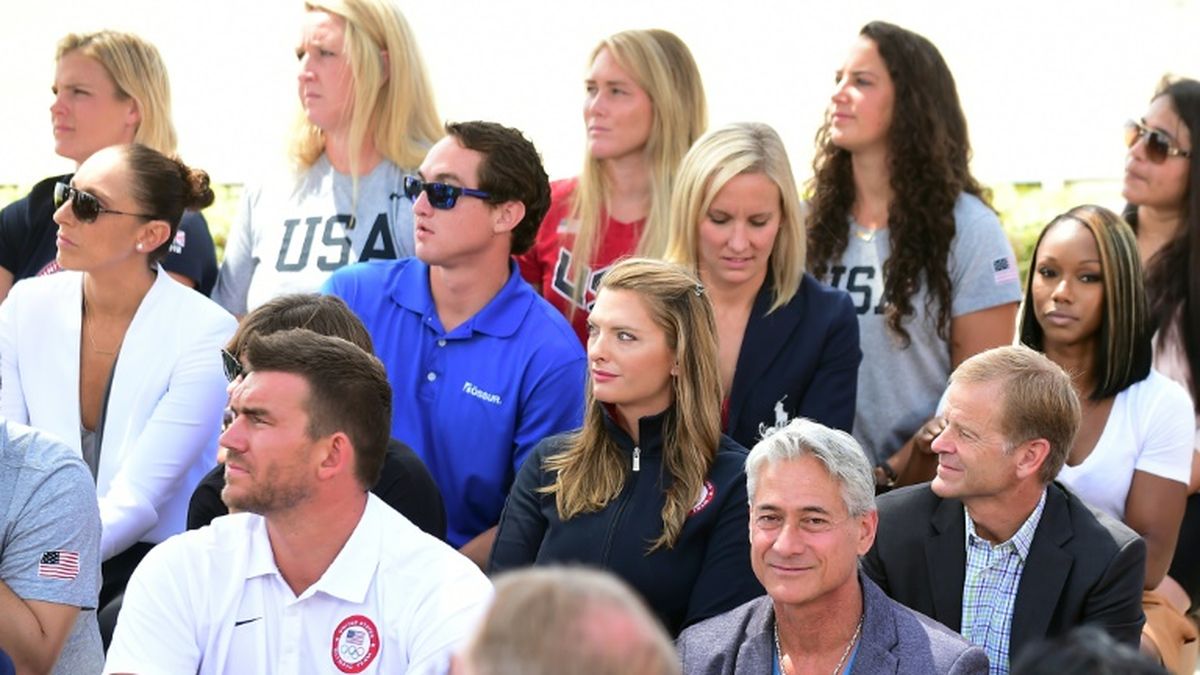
138	247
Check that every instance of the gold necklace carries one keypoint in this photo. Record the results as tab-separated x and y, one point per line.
845	653
865	233
90	324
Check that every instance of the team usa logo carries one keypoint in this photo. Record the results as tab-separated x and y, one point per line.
707	492
355	644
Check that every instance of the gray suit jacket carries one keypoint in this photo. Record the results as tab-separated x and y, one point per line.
895	639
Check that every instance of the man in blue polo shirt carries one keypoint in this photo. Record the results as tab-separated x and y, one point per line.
481	367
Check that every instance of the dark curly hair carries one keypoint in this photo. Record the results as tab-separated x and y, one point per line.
1173	274
928	158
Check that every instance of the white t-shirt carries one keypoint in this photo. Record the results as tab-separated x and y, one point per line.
1150	429
394	600
288	238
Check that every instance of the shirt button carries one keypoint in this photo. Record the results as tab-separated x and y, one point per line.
431	376
441	343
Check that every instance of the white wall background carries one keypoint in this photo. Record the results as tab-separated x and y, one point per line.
1046	83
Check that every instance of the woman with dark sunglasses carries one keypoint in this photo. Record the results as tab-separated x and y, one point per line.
898	221
116	358
644	107
367	118
1085	307
1162	191
109	88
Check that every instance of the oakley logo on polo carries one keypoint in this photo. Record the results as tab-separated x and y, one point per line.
480	394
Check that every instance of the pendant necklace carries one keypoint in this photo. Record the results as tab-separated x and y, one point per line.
845	653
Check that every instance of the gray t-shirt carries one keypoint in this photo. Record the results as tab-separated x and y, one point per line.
898	387
288	238
50	535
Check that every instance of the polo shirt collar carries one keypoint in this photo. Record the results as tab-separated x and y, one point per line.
501	317
350	575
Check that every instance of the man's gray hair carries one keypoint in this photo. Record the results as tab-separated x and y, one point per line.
842	456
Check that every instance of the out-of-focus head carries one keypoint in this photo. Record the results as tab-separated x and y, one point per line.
812	512
1084	650
125	201
361	75
735	212
1086	283
543	618
110	88
322	314
1162	167
1011	417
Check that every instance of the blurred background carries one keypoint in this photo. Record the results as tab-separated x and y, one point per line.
1046	85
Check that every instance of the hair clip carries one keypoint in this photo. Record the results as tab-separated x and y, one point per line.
699	289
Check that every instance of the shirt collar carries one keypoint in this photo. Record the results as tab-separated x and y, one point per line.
1021	541
501	317
351	573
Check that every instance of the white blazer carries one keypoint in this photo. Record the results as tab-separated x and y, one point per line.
164	408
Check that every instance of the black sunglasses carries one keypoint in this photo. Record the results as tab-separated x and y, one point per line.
1158	145
233	367
441	195
85	205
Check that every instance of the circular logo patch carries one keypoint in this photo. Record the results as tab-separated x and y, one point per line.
706	496
355	644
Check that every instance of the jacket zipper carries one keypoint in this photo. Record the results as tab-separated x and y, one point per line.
637	458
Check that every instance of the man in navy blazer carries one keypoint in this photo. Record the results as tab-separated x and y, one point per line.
943	547
812	513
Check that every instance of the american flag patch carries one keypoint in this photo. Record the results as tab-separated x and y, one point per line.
1004	270
59	565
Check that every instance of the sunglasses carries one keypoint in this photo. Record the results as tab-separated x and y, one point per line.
441	195
85	205
233	367
1158	145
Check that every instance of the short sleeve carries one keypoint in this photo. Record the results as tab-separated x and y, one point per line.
233	280
983	269
1167	432
53	552
193	254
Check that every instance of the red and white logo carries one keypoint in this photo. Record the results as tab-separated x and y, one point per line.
355	644
707	492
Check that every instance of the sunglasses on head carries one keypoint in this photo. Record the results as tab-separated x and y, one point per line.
1158	145
233	367
441	195
85	205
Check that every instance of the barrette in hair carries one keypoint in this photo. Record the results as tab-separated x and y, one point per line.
699	289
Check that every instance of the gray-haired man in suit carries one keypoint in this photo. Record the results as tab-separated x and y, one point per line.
812	514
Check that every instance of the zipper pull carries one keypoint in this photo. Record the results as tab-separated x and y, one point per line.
637	458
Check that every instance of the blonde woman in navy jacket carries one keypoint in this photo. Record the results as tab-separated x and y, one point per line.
788	344
116	358
648	489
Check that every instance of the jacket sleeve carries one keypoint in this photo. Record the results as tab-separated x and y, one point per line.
834	389
522	524
1115	602
726	579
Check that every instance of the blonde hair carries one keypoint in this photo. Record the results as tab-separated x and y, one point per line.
394	108
137	70
591	471
663	67
545	617
715	159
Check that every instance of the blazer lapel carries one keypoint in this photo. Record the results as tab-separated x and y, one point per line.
946	560
1045	573
754	655
761	344
879	635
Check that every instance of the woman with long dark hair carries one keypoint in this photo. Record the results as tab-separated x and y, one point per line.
898	221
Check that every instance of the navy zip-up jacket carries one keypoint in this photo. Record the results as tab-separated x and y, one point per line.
706	573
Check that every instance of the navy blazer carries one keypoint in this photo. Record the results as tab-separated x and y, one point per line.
800	361
1083	566
894	639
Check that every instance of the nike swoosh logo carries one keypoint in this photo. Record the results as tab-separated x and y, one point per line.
245	621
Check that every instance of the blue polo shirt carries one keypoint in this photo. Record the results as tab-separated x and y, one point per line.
473	402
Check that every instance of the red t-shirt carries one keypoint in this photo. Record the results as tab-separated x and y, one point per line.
547	265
